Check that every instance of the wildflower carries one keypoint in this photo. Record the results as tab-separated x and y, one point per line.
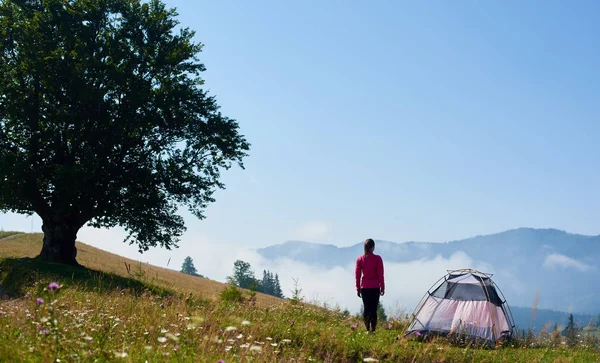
27	296
163	330
121	354
370	360
162	339
53	286
418	334
176	347
230	328
39	300
45	332
273	344
246	345
240	336
2	313
269	338
286	341
148	347
353	326
389	326
220	361
245	322
256	348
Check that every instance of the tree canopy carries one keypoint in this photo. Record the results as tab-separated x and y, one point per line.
188	267
104	121
243	276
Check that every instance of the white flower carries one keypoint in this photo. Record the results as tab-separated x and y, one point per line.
162	339
231	328
245	345
273	344
256	348
163	330
269	338
121	354
240	336
370	360
286	341
245	322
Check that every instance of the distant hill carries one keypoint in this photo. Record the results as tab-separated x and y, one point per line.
564	267
544	319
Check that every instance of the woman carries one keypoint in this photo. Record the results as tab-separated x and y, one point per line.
369	283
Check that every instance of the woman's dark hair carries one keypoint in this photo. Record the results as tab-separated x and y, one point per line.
369	243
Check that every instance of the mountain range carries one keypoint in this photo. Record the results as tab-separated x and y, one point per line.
559	270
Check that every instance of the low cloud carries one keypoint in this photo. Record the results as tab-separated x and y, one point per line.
313	231
406	283
556	260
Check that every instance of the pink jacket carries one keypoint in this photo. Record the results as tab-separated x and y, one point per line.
370	268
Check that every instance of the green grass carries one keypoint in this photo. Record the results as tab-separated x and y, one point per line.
100	317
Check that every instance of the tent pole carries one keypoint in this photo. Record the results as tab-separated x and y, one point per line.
489	308
422	302
512	322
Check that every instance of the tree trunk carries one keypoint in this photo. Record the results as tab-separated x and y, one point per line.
59	242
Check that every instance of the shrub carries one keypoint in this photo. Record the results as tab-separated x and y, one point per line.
232	294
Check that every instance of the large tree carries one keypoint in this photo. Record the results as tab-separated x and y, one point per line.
104	121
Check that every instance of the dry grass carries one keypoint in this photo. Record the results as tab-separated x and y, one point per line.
29	245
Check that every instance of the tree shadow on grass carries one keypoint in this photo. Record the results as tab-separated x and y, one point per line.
18	275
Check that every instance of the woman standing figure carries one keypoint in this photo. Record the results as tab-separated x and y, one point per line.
369	283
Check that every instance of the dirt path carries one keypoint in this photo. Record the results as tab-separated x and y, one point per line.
11	236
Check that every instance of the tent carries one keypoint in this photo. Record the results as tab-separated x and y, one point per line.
467	303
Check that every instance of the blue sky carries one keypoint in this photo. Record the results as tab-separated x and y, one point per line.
426	121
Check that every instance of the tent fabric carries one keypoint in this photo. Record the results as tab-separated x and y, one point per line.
464	304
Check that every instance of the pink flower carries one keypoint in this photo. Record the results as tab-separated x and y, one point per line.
353	326
53	286
176	347
220	361
2	313
40	300
45	331
418	333
389	326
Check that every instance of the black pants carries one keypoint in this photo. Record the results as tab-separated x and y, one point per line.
370	298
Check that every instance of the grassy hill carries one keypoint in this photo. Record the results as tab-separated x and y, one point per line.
106	311
18	245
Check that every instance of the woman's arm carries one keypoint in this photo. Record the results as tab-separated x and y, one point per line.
381	275
358	273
